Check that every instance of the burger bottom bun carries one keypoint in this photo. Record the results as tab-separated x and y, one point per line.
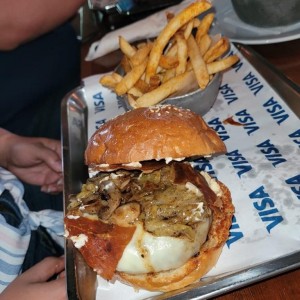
197	266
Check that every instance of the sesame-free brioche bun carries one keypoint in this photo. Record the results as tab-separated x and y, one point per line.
152	133
197	266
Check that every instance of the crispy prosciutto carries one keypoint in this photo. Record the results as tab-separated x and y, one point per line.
104	243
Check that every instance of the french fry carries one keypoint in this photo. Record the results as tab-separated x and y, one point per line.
198	63
174	24
125	64
188	29
204	43
217	50
142	86
168	75
166	89
135	92
204	26
140	55
117	77
172	50
126	48
168	62
110	81
196	22
182	52
154	82
222	64
130	79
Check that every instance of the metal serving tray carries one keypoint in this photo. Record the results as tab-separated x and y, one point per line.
81	280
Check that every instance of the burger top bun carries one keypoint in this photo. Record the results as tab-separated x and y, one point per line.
160	132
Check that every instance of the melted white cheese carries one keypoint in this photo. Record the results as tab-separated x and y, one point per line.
148	253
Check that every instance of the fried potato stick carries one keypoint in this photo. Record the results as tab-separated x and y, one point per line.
130	79
166	89
182	52
199	65
205	43
174	24
222	64
204	26
140	55
126	48
217	50
110	80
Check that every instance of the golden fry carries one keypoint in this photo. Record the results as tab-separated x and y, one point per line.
182	52
205	43
142	86
196	22
140	55
172	50
188	29
125	64
175	23
166	89
199	65
204	26
130	79
222	64
131	100
168	75
135	92
154	82
126	48
217	50
168	62
110	81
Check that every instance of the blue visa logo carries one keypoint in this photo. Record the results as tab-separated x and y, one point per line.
253	83
228	93
245	118
294	183
266	209
271	153
99	104
276	111
295	136
239	162
217	125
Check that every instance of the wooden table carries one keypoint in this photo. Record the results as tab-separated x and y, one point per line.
286	58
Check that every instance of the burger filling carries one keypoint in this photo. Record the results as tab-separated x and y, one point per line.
170	208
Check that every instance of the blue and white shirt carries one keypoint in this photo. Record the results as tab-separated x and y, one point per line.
14	241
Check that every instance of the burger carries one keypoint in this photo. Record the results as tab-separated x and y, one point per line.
145	216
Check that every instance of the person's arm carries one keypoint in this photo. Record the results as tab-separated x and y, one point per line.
33	160
24	20
34	285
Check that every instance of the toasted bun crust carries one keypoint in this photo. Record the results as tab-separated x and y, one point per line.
152	133
198	266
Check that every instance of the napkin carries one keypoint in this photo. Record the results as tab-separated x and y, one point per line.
140	30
